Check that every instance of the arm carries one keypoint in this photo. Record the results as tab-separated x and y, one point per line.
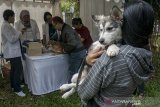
100	76
85	35
70	43
37	31
44	34
11	34
82	39
16	26
93	55
43	29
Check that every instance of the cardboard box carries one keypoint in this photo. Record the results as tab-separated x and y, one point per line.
34	49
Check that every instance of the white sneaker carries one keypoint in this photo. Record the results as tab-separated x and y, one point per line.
21	94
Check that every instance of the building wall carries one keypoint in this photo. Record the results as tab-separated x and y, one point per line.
94	7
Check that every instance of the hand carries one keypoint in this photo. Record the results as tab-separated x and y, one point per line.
93	55
44	40
57	48
79	35
23	30
82	39
50	42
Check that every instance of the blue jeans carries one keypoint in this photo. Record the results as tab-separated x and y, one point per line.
16	71
75	60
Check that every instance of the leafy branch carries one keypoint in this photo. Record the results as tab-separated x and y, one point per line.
67	4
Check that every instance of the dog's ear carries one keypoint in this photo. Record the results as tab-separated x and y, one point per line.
98	19
116	13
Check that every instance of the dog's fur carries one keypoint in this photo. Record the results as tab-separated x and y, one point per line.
110	35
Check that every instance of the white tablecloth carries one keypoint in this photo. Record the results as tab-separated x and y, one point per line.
46	73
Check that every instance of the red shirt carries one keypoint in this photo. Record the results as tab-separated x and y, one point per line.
85	34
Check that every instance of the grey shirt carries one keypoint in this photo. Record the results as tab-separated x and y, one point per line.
70	39
116	76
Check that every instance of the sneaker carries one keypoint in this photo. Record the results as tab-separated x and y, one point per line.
21	94
22	86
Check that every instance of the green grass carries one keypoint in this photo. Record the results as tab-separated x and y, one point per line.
152	87
9	99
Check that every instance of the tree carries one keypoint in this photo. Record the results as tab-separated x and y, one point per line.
155	4
68	6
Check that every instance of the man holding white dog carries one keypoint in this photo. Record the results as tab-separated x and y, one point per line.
116	78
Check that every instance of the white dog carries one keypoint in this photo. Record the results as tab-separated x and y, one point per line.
110	35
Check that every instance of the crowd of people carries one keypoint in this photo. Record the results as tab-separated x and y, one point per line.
109	77
15	34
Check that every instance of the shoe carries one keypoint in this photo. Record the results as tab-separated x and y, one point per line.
21	94
141	96
22	86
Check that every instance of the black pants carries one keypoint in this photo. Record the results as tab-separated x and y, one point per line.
141	88
15	74
91	103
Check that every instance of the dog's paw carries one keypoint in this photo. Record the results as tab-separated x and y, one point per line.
113	50
64	87
69	93
65	96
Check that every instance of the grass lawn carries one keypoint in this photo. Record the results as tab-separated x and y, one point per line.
9	99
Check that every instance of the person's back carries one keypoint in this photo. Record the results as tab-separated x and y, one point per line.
114	78
71	44
88	40
83	32
69	35
120	77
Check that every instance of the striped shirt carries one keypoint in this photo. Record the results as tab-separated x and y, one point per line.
116	76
